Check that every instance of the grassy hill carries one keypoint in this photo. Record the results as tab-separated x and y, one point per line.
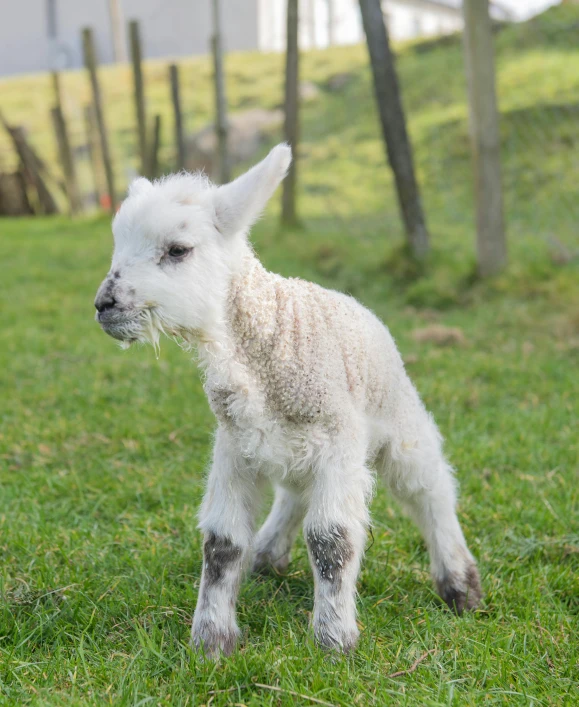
343	160
102	452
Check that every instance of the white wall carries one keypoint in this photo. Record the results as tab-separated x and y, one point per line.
181	27
168	28
24	43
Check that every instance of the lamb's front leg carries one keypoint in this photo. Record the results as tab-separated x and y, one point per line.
335	532
226	518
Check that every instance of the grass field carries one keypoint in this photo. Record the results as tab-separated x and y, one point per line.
103	452
102	461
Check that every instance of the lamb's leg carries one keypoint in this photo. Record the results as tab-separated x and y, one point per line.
226	519
422	480
335	531
275	538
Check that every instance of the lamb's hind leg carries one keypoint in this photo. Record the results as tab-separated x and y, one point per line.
422	480
277	535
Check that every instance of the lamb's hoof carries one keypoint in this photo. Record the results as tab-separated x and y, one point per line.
265	563
336	641
211	642
461	593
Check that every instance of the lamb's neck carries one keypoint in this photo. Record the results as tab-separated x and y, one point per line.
248	320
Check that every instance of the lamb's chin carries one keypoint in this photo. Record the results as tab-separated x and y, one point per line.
143	337
146	335
147	328
125	332
138	327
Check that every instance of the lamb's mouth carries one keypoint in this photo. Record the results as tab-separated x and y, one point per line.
121	325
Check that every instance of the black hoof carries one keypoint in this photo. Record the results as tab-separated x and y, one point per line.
461	593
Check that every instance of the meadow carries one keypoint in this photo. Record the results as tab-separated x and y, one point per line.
103	452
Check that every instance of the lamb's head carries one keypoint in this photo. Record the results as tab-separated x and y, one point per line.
177	243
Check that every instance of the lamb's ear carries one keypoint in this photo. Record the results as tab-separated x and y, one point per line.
139	186
238	204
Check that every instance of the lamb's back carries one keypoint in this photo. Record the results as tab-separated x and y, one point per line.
315	352
361	355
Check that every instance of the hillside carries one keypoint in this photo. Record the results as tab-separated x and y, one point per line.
343	162
346	189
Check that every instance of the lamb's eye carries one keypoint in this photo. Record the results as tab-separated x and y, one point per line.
178	251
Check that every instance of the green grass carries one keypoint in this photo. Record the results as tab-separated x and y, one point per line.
102	452
102	455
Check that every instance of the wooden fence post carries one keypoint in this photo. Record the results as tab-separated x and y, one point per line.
56	87
291	120
221	127
93	151
139	94
91	65
485	136
155	143
176	100
393	123
63	145
66	159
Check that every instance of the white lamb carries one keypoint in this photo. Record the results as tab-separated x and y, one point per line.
309	391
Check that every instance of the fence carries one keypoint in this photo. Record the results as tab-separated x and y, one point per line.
537	66
537	74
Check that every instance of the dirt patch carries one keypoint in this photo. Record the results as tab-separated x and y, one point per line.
439	335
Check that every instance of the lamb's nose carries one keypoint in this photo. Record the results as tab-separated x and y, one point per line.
104	302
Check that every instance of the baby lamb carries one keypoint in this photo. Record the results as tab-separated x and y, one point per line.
309	391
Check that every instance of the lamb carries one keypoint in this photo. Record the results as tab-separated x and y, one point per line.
310	395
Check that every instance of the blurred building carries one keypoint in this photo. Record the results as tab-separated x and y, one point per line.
322	23
410	19
326	22
37	35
